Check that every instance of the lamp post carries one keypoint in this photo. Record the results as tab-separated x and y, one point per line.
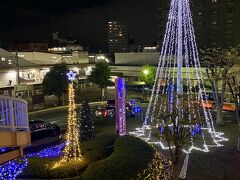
145	72
17	64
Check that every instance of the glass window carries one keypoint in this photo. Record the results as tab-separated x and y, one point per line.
229	32
214	22
229	21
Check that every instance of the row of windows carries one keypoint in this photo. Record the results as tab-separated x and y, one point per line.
200	3
215	22
214	33
229	10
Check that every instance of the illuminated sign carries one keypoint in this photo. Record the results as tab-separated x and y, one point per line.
120	106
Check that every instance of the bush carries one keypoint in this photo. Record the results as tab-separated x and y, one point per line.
92	151
130	157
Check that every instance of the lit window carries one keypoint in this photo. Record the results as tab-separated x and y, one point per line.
229	32
200	13
214	22
214	1
214	12
3	59
229	21
9	61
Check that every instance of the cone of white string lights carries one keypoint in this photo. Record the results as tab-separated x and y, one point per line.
177	117
72	151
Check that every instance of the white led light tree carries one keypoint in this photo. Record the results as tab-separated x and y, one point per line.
177	117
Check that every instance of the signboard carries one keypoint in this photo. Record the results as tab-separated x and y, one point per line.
21	87
120	106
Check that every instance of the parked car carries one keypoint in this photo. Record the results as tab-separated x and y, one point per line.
41	129
109	109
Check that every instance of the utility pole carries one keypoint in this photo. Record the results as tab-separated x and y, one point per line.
17	64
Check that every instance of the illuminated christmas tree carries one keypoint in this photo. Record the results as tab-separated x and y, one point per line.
87	127
177	109
72	149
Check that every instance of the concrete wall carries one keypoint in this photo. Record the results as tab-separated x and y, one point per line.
137	58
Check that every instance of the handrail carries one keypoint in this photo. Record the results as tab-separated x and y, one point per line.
13	114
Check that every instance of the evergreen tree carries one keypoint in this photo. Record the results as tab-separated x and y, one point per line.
87	128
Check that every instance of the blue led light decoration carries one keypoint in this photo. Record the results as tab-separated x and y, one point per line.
51	152
161	129
198	128
11	169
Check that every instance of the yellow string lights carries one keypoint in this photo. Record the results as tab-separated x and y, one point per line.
72	151
159	168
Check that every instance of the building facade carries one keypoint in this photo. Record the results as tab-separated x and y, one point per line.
216	22
29	46
116	36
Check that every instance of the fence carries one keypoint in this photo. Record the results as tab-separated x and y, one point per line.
13	114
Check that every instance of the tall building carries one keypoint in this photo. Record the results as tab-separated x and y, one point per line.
116	36
216	22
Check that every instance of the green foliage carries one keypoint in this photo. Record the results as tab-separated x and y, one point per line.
96	149
92	151
42	168
101	74
56	81
87	128
147	74
131	155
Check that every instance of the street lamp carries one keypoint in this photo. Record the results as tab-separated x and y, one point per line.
145	72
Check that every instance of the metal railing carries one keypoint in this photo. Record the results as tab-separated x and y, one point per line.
13	114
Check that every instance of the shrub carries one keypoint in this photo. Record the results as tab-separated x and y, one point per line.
92	151
131	155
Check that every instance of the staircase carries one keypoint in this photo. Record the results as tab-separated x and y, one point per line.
14	128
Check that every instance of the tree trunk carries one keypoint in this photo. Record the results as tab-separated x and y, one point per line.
238	143
63	99
175	172
219	114
59	100
103	93
238	119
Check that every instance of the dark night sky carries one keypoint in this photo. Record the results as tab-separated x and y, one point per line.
83	19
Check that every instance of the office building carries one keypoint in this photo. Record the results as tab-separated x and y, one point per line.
116	36
216	22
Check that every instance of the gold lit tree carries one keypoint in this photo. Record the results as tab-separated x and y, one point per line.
72	149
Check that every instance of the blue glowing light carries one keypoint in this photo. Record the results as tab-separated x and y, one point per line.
161	129
192	131
51	152
137	109
71	75
11	169
198	128
132	101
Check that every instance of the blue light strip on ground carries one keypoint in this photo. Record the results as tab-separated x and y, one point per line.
11	169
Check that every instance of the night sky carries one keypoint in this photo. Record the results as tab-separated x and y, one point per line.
35	20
